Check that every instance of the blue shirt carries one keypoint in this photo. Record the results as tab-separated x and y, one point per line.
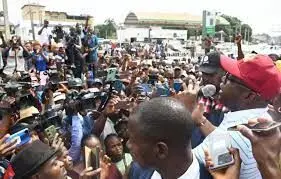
76	138
93	42
40	63
88	125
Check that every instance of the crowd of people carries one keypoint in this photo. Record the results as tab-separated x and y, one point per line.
68	111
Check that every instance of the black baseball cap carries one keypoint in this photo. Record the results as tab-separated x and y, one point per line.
210	63
28	161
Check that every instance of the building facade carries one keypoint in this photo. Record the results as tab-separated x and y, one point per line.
36	14
146	26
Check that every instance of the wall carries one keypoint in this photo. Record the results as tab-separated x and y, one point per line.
39	14
141	33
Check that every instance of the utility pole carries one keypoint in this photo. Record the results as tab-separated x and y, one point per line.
6	19
31	22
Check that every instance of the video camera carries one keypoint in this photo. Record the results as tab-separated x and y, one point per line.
59	32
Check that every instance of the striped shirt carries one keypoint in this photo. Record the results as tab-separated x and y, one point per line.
249	169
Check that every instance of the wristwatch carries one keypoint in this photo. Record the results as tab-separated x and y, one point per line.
202	123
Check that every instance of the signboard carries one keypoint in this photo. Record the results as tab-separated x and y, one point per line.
209	23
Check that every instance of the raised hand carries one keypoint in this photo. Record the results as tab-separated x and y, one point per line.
232	172
198	114
7	148
266	149
189	96
57	143
238	39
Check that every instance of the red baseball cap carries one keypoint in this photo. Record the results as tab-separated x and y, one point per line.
257	71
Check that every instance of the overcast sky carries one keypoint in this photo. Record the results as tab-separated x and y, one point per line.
261	15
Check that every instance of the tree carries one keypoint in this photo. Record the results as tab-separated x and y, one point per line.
107	30
233	28
246	32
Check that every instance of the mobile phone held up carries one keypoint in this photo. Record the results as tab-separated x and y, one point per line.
22	137
219	145
177	85
50	132
92	159
111	74
259	127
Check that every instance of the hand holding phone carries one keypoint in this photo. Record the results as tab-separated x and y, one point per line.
92	158
259	127
51	133
57	142
231	171
22	137
219	150
7	148
177	85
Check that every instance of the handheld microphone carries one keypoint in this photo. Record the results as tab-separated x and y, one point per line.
208	90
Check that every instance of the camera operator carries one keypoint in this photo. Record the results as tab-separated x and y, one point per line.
45	33
73	51
58	33
13	58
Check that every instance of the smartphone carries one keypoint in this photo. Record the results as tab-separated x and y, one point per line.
22	137
219	145
92	158
111	74
177	85
259	127
50	132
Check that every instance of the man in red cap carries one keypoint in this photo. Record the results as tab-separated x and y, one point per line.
247	88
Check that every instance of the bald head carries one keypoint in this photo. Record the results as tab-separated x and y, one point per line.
164	119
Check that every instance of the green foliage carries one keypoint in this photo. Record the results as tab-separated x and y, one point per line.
234	28
106	30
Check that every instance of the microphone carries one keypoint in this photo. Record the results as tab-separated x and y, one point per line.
208	90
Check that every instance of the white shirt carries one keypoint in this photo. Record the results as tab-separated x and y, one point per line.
249	169
44	37
193	172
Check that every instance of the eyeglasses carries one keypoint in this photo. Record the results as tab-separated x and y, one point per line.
231	78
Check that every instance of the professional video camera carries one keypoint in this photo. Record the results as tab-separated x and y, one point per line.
59	33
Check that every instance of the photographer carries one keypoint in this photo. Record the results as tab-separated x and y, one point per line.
40	59
44	33
73	52
59	33
13	58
